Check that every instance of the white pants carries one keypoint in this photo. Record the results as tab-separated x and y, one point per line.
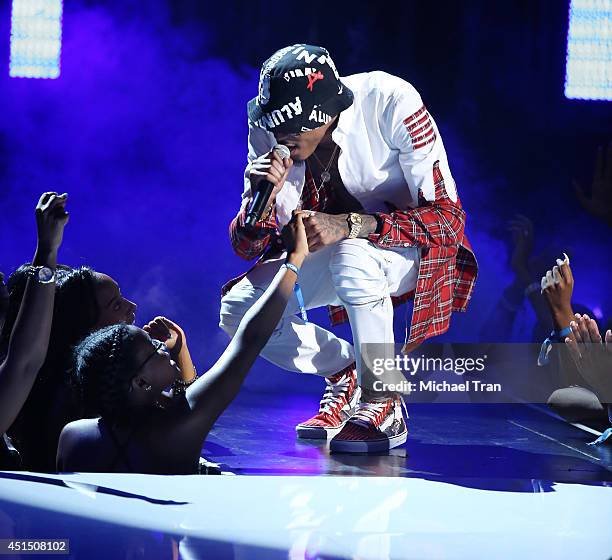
354	273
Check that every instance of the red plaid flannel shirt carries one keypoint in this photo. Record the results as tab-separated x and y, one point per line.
447	271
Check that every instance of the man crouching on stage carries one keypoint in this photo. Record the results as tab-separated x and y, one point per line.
369	171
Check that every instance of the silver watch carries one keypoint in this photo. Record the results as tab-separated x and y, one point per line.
42	274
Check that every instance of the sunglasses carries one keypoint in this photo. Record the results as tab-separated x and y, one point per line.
160	348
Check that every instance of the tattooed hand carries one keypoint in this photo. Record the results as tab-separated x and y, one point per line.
324	229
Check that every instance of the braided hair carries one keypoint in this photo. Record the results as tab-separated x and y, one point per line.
104	368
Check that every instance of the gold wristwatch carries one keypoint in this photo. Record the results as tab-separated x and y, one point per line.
354	221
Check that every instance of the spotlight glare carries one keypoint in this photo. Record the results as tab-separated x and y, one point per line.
36	39
588	72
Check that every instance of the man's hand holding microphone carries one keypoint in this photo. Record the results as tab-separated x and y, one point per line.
267	174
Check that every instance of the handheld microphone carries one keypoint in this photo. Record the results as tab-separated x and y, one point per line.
261	196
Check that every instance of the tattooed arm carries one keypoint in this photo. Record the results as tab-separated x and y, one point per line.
327	229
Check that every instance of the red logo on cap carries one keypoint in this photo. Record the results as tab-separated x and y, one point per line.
312	78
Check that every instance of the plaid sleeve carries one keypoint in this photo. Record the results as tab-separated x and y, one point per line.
440	223
251	243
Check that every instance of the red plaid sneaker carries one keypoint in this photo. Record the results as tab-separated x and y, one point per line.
337	406
375	426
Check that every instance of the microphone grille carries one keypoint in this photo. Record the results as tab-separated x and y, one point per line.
282	151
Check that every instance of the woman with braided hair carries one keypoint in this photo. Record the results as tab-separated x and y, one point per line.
147	419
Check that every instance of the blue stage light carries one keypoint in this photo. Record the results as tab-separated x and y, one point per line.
588	72
36	38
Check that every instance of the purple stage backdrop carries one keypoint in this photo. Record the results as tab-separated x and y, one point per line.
147	133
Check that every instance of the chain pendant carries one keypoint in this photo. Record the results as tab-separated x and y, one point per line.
325	176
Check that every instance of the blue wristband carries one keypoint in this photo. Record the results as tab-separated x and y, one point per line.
560	335
555	336
292	267
298	292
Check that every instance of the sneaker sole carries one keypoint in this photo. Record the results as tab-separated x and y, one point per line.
376	446
315	432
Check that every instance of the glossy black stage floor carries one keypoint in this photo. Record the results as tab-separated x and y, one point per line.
486	446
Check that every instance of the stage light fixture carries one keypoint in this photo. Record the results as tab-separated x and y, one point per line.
36	39
588	73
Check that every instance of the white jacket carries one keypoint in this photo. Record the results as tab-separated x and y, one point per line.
383	158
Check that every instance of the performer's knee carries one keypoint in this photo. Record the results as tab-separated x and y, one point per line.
234	305
356	273
228	322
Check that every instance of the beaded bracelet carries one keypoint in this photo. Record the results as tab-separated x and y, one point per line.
179	385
